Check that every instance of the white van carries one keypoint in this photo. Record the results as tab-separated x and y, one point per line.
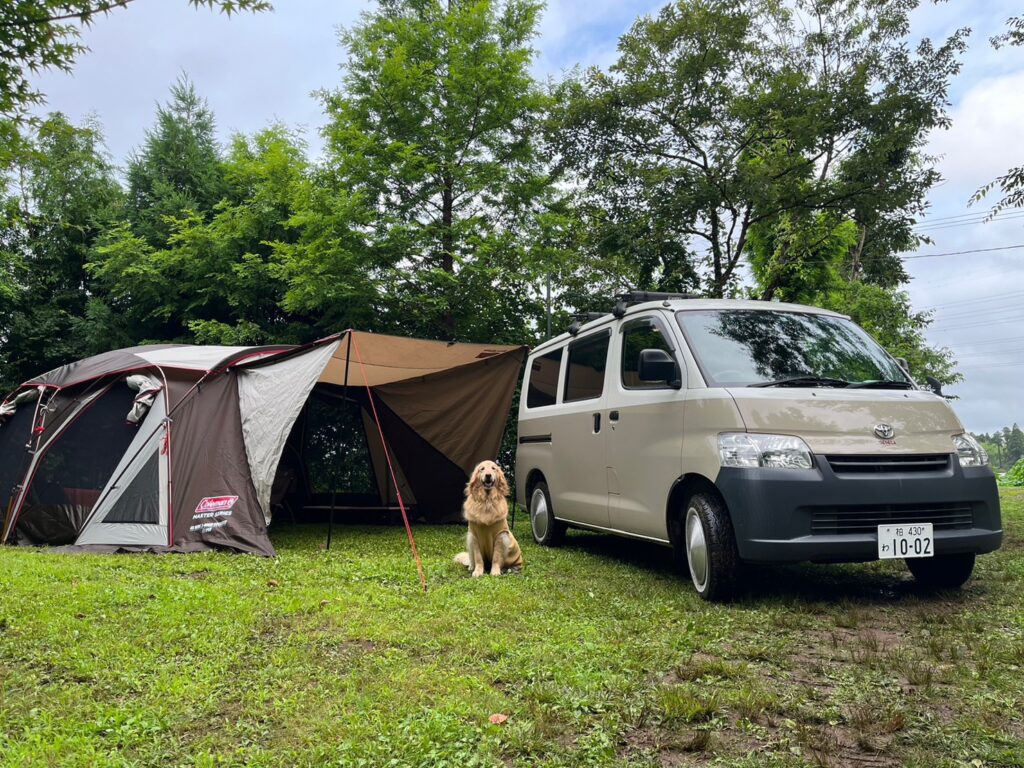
736	431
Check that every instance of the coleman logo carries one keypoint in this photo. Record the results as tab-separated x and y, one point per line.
216	504
884	432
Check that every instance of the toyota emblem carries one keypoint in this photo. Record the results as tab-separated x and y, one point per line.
884	432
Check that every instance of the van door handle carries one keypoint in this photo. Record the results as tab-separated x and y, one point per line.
597	423
613	416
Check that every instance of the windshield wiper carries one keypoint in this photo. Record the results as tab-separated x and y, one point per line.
881	384
803	381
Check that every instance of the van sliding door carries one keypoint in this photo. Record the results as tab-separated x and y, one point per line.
579	488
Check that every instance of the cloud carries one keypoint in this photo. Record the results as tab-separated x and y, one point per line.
978	298
984	139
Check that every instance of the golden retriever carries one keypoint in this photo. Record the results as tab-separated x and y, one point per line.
489	540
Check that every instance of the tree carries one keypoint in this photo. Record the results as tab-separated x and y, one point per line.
60	195
432	154
720	119
41	34
1015	445
210	276
178	168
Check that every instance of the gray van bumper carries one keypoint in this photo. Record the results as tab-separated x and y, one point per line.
793	515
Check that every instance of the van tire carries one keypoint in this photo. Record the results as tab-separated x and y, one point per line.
942	571
705	546
547	531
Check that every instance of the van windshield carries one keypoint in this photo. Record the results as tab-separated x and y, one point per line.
766	348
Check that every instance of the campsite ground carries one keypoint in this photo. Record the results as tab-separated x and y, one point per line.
598	654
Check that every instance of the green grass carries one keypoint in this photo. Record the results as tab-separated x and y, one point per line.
598	653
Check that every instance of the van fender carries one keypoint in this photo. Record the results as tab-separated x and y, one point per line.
682	488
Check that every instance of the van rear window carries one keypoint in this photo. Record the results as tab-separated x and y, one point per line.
543	385
584	380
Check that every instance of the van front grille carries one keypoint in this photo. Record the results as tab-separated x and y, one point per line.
866	519
865	465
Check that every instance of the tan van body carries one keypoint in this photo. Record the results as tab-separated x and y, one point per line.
625	456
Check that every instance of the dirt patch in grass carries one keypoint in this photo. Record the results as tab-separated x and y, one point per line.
192	575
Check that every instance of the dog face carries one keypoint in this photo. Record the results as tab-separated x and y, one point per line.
487	478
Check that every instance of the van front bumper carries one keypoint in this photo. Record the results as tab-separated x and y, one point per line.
796	515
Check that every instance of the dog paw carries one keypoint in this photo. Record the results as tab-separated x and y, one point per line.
477	574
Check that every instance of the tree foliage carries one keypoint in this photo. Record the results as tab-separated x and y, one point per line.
61	193
720	117
194	261
432	151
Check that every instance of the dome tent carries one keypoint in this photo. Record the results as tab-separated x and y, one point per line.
177	447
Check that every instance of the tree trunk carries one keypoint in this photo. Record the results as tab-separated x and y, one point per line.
448	251
718	287
858	253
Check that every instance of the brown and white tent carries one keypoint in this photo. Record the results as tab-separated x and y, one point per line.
184	448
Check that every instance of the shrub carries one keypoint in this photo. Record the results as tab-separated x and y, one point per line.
1015	476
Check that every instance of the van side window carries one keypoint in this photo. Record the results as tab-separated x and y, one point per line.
638	335
543	386
584	380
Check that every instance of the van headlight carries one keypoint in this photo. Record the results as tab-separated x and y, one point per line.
745	449
970	451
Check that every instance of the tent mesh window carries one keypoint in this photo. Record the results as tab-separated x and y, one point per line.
337	454
140	501
14	436
76	467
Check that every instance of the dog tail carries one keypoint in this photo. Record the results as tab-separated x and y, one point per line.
462	559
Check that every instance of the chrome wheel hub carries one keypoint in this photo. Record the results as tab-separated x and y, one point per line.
696	549
539	513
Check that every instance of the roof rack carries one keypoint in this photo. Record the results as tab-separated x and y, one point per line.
628	299
582	319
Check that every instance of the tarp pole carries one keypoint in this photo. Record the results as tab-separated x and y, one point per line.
391	469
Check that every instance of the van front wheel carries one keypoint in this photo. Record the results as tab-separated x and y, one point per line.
709	545
942	571
546	530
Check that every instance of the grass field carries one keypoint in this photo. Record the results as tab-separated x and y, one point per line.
598	654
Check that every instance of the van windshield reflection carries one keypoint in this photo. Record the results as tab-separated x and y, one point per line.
770	348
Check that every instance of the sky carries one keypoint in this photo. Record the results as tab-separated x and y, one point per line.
258	69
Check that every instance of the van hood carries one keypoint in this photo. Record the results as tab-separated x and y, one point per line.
844	420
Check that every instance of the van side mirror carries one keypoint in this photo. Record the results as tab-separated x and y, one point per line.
658	365
934	385
902	363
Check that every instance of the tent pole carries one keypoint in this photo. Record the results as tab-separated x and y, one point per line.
344	399
515	500
330	523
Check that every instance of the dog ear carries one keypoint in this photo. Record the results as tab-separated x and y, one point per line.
502	481
474	481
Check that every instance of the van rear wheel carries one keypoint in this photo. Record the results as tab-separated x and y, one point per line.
942	571
708	544
547	531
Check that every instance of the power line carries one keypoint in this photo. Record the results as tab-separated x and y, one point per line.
973	215
997	365
960	253
965	313
973	301
979	324
980	219
986	342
